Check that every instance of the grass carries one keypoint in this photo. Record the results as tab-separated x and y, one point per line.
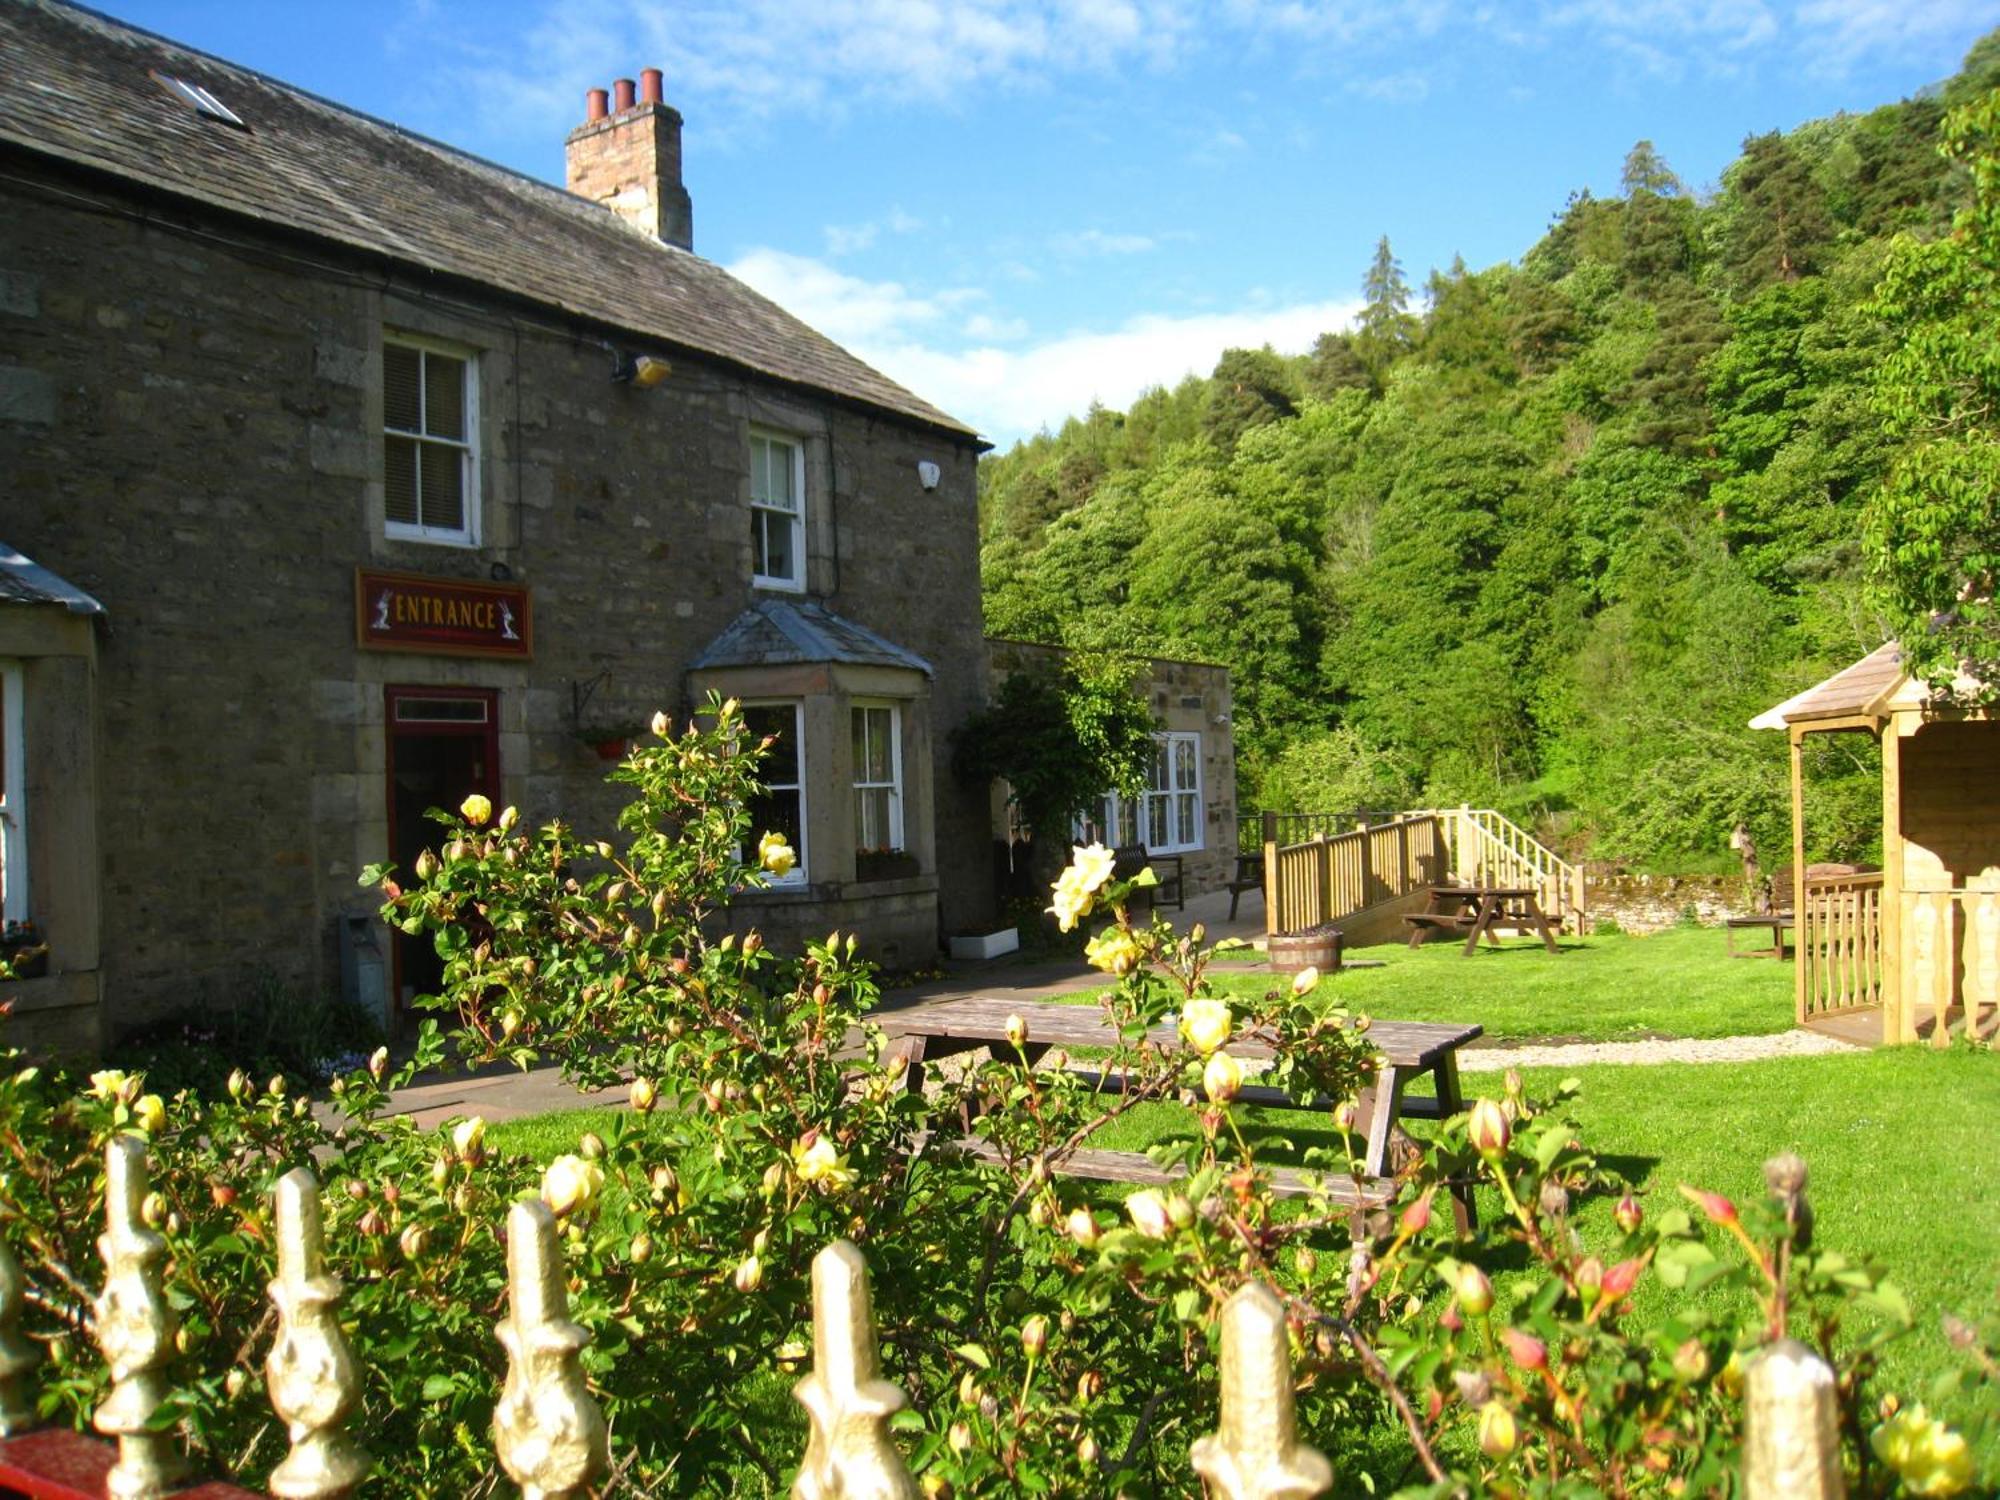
1677	983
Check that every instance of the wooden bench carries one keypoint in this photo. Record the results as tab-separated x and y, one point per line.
1249	876
1431	921
1774	923
1132	858
1140	1170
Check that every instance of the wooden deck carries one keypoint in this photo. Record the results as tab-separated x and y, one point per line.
1863	1027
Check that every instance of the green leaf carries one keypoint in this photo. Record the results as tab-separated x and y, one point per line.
439	1387
972	1354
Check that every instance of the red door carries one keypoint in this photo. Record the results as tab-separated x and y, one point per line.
443	745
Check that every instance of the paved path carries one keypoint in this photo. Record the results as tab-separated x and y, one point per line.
508	1094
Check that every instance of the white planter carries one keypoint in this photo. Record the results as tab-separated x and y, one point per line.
986	945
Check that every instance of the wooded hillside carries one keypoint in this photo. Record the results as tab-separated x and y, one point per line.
1542	536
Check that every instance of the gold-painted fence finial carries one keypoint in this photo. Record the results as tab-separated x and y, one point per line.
17	1355
311	1373
135	1330
547	1430
1256	1454
849	1454
1791	1426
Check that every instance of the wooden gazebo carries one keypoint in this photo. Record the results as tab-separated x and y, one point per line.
1915	949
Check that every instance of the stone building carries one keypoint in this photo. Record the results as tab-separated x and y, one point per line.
1188	809
397	475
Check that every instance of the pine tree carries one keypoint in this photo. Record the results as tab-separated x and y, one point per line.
1387	330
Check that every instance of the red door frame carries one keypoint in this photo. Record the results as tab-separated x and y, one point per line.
392	695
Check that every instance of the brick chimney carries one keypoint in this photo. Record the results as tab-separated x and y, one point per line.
627	156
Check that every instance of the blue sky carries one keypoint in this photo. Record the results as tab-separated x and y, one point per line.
1014	206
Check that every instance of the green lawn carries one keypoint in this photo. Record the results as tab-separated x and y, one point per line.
1677	983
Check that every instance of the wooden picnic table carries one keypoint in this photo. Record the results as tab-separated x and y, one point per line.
1476	910
1409	1049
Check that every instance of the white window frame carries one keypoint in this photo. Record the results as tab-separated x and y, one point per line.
13	795
1116	810
466	535
894	785
759	509
796	876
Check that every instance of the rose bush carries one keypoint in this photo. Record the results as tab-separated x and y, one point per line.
1055	1335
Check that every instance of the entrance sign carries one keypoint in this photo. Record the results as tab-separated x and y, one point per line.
441	616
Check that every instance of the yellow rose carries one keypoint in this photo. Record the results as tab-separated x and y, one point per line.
662	725
1073	900
1206	1024
1928	1456
643	1095
571	1183
1497	1430
775	855
1092	866
467	1136
476	809
1304	982
1148	1212
819	1163
1222	1079
150	1114
1114	950
112	1084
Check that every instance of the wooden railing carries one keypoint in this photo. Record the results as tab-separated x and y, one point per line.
549	1434
1489	848
1952	939
1326	878
1840	952
1299	827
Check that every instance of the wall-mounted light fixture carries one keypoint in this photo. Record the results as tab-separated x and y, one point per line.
928	474
643	371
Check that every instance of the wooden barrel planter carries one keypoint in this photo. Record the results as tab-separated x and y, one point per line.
1315	947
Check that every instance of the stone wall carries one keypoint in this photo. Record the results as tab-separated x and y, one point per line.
190	415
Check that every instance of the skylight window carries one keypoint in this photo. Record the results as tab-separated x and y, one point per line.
203	101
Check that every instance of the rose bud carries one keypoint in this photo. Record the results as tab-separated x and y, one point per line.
936	1486
1487	1128
1497	1432
510	1023
1690	1361
1017	1033
749	1274
440	1172
641	1249
1473	1291
960	1437
1344	1114
378	1063
1034	1336
233	1384
1306	980
414	1241
509	816
426	865
661	724
642	1095
1039	1213
153	1210
391	1194
1416	1218
1451	1322
1475	1387
1718	1208
1621	1278
1179	1210
1628	1214
1511	1080
1148	1212
1086	1451
1089	1386
1222	1078
221	1194
1590	1280
1527	1351
372	1223
1082	1227
590	1146
175	1223
968	1389
468	1138
1553	1198
276	1087
239	1084
1306	1261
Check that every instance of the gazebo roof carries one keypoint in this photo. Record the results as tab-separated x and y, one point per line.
1872	688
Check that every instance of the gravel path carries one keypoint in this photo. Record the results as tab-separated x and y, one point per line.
1696	1050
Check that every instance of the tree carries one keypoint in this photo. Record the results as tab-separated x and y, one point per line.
1387	330
1780	226
1933	530
1249	387
1646	171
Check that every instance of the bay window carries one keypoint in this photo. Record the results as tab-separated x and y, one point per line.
878	777
780	807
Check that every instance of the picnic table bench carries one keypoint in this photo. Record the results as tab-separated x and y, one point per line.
1410	1050
1476	910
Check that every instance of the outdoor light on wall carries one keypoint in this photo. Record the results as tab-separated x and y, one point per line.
928	474
642	371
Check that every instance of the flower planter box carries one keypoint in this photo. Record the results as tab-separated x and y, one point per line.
885	864
23	946
985	945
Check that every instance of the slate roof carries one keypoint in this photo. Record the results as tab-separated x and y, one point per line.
780	632
25	581
74	86
1851	690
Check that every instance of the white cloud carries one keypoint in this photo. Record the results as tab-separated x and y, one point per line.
1846	31
846	239
1098	242
953	357
1406	87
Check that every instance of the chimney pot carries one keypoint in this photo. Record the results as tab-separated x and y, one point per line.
622	94
596	104
649	86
